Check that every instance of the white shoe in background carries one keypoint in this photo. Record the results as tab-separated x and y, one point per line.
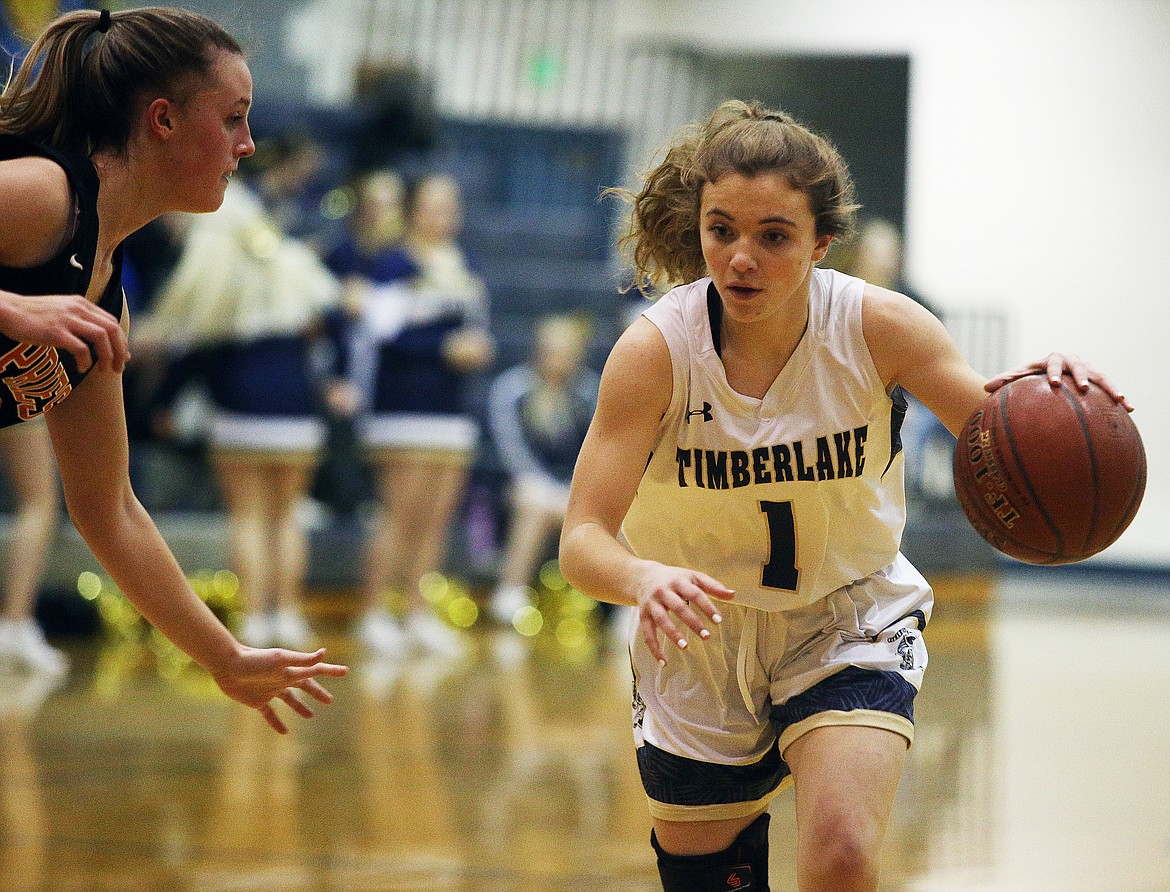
290	629
432	635
21	694
507	601
23	646
382	634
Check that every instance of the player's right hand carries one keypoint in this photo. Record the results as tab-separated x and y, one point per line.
667	593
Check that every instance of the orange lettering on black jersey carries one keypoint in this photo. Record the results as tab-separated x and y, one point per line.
35	377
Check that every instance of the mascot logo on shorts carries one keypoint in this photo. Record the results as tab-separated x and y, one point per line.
906	652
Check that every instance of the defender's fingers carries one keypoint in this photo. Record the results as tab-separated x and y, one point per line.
272	718
297	674
315	690
288	695
79	349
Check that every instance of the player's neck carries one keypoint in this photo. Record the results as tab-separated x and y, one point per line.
124	204
755	353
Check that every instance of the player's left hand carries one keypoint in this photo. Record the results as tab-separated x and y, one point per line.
258	676
1054	366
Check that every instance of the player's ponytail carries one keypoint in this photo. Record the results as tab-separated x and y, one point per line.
661	241
81	81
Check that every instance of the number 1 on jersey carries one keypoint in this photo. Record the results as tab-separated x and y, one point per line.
780	571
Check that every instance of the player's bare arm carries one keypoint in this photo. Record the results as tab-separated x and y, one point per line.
635	392
35	221
35	209
911	347
88	432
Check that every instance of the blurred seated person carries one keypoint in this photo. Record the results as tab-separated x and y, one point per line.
538	414
876	255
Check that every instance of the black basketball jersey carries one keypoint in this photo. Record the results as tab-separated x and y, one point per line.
34	377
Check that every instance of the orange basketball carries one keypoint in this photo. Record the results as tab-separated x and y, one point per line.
1049	475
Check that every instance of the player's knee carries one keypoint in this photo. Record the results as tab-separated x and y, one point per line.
841	854
742	866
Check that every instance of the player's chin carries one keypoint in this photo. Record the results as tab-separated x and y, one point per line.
209	201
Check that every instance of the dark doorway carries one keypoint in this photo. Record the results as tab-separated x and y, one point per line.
859	102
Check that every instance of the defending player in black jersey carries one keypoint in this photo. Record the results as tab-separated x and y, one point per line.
112	120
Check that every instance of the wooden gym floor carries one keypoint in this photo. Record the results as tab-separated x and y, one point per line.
1040	763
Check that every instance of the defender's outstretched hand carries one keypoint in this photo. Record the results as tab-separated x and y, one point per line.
258	676
1054	366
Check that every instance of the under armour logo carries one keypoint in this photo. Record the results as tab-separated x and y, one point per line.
75	263
705	412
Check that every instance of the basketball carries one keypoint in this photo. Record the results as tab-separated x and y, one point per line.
1049	475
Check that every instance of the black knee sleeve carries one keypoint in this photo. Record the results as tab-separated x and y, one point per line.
741	867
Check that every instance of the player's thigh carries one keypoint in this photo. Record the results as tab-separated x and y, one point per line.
700	837
846	777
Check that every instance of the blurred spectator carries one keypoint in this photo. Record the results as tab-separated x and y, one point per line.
876	256
420	330
395	115
28	461
372	252
241	314
538	414
368	256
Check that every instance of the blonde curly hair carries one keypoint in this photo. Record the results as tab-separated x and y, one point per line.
662	241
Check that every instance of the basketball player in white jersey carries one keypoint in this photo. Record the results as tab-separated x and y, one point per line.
741	485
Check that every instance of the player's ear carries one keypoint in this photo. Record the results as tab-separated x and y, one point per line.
159	114
822	248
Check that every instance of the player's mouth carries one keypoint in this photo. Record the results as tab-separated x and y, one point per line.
742	291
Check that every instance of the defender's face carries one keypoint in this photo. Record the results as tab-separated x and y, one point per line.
760	244
211	134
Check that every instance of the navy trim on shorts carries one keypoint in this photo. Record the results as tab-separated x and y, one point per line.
851	688
677	780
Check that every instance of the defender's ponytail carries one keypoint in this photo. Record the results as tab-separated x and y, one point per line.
83	78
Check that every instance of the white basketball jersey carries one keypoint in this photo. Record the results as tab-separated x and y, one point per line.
783	499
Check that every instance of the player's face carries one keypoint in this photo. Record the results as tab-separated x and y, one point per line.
760	244
211	134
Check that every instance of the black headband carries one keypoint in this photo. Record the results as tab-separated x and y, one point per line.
104	21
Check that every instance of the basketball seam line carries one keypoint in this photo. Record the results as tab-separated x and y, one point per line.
1057	533
1080	413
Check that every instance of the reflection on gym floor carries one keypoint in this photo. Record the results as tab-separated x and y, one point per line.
1039	763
